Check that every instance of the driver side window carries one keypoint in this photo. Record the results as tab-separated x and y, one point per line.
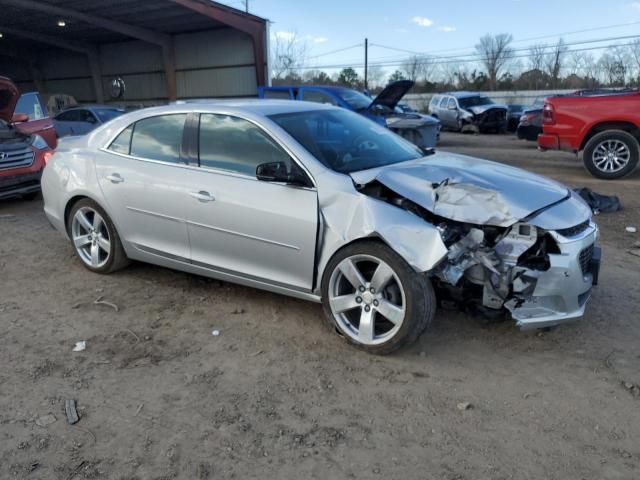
236	145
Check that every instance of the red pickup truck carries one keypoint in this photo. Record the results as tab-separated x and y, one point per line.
605	126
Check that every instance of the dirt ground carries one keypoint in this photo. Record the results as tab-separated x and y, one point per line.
276	395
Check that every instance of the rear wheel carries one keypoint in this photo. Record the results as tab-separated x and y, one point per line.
94	238
611	154
375	299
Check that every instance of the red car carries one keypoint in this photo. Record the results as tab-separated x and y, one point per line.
605	126
26	141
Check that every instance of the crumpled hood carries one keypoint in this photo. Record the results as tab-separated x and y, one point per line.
478	109
8	98
468	189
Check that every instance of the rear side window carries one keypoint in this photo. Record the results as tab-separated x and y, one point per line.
435	100
452	103
122	142
443	102
158	138
236	145
281	94
318	97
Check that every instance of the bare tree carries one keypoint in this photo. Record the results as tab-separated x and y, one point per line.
288	54
536	56
554	60
590	70
613	67
494	52
634	52
375	76
428	69
412	68
576	62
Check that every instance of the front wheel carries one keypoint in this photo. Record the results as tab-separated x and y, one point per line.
611	154
94	238
375	299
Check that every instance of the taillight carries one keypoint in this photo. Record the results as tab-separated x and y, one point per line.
47	156
548	115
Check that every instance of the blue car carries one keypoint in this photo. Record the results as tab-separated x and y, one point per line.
422	130
82	119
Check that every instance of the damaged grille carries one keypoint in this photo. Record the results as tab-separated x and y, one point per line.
585	258
20	157
575	230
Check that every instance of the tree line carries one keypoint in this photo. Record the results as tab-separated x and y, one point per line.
494	65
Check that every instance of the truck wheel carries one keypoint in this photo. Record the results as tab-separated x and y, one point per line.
374	299
611	154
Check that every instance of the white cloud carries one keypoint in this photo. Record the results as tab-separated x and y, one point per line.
422	21
635	6
284	35
447	29
313	39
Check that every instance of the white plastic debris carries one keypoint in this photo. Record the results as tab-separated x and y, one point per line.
80	346
215	333
631	229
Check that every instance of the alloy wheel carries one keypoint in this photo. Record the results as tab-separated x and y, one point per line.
611	156
367	299
90	237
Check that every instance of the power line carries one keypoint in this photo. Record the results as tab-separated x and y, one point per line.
448	60
357	45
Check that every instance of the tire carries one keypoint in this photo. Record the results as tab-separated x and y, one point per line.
623	148
405	291
91	230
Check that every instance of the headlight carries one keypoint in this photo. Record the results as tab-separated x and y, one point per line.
38	142
466	115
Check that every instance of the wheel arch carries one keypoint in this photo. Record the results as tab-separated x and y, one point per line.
600	127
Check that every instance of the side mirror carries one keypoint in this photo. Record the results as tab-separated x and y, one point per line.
19	118
277	172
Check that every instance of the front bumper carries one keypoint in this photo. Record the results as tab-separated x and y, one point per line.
562	291
20	184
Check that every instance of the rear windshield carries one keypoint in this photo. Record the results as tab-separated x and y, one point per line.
106	114
356	100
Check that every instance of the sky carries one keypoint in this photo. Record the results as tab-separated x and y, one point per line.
437	27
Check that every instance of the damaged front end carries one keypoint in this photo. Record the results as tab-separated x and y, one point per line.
527	246
541	277
484	119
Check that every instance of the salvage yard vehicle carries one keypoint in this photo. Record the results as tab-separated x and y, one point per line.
320	203
530	125
604	125
22	154
468	111
421	130
83	119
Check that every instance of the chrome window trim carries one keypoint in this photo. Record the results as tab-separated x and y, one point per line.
105	148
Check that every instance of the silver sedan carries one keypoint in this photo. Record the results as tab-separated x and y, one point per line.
322	204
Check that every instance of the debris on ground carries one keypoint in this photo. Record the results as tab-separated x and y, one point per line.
215	333
599	203
631	388
70	408
80	346
100	301
46	420
635	252
631	229
238	311
464	406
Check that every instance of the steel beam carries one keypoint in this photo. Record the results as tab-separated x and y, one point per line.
245	23
150	36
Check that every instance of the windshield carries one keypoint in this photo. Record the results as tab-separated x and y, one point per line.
474	101
106	114
356	100
345	141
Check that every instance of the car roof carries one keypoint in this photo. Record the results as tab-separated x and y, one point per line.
91	106
256	106
334	88
465	94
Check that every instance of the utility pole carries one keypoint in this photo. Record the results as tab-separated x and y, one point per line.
246	6
366	62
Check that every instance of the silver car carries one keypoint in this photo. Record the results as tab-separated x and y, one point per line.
320	203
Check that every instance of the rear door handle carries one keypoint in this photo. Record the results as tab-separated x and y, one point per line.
115	178
202	196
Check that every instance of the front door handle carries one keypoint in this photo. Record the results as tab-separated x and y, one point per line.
115	178
202	196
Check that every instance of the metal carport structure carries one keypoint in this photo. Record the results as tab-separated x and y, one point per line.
163	49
